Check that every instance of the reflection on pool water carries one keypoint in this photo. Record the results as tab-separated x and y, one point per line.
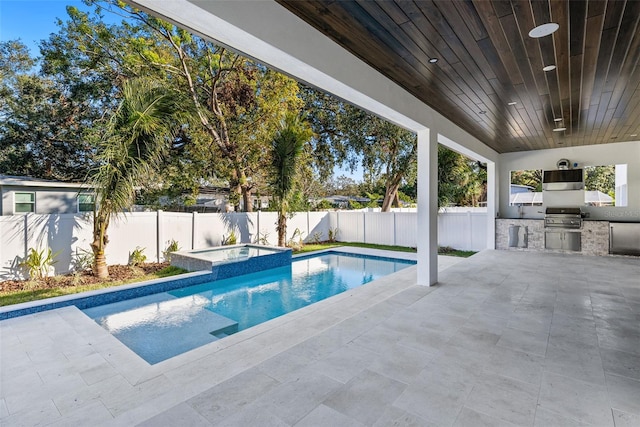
233	253
164	325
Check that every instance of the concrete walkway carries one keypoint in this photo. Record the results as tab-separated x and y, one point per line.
506	338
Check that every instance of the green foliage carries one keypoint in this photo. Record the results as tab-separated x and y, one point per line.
231	239
263	239
531	178
137	257
323	205
601	178
322	246
82	260
373	200
172	246
344	186
16	297
354	205
131	150
447	250
170	270
286	148
405	197
37	263
348	135
296	242
332	234
461	181
43	123
316	238
236	103
298	201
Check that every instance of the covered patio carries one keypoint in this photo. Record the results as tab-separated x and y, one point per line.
505	338
502	338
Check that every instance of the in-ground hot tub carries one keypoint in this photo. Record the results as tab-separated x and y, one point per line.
234	260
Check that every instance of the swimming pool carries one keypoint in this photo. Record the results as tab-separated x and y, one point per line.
233	253
160	326
235	260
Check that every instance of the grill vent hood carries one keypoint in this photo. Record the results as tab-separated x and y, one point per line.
562	179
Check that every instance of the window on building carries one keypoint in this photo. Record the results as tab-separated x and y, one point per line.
86	202
525	188
25	202
605	185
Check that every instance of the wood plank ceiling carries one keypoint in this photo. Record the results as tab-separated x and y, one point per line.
486	60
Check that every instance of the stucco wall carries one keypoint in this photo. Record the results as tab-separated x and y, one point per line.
592	155
48	200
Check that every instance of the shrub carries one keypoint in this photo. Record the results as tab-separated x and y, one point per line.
82	260
323	205
263	239
38	264
172	246
137	257
296	244
230	239
332	234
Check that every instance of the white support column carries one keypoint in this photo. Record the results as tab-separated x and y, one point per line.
427	207
492	204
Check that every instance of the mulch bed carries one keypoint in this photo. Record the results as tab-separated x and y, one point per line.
117	273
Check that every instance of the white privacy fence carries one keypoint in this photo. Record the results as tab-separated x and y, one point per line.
70	234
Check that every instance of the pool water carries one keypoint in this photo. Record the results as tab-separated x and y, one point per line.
160	326
232	254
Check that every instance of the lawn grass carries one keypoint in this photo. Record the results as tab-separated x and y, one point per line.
26	295
317	247
442	250
446	250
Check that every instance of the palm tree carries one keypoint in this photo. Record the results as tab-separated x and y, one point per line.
286	146
132	148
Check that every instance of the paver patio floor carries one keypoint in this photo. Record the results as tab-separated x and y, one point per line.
505	338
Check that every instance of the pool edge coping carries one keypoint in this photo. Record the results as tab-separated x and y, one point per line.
47	304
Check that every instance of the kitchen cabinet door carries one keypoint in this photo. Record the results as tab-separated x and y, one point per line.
572	241
564	240
553	240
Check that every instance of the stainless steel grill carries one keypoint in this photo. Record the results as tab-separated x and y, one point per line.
563	218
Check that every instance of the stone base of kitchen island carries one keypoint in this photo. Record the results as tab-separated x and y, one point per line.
595	236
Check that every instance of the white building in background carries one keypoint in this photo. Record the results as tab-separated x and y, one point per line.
621	185
23	194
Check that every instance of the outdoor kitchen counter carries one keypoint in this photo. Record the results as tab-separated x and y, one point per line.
595	236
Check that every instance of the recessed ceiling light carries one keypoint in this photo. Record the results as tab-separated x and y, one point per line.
549	68
433	60
512	103
543	30
633	134
559	129
559	119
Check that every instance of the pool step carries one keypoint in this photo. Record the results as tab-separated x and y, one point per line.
226	331
220	325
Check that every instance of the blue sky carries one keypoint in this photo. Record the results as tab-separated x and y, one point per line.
33	20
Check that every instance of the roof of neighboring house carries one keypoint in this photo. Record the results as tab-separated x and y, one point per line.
526	198
597	197
27	181
518	188
343	199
